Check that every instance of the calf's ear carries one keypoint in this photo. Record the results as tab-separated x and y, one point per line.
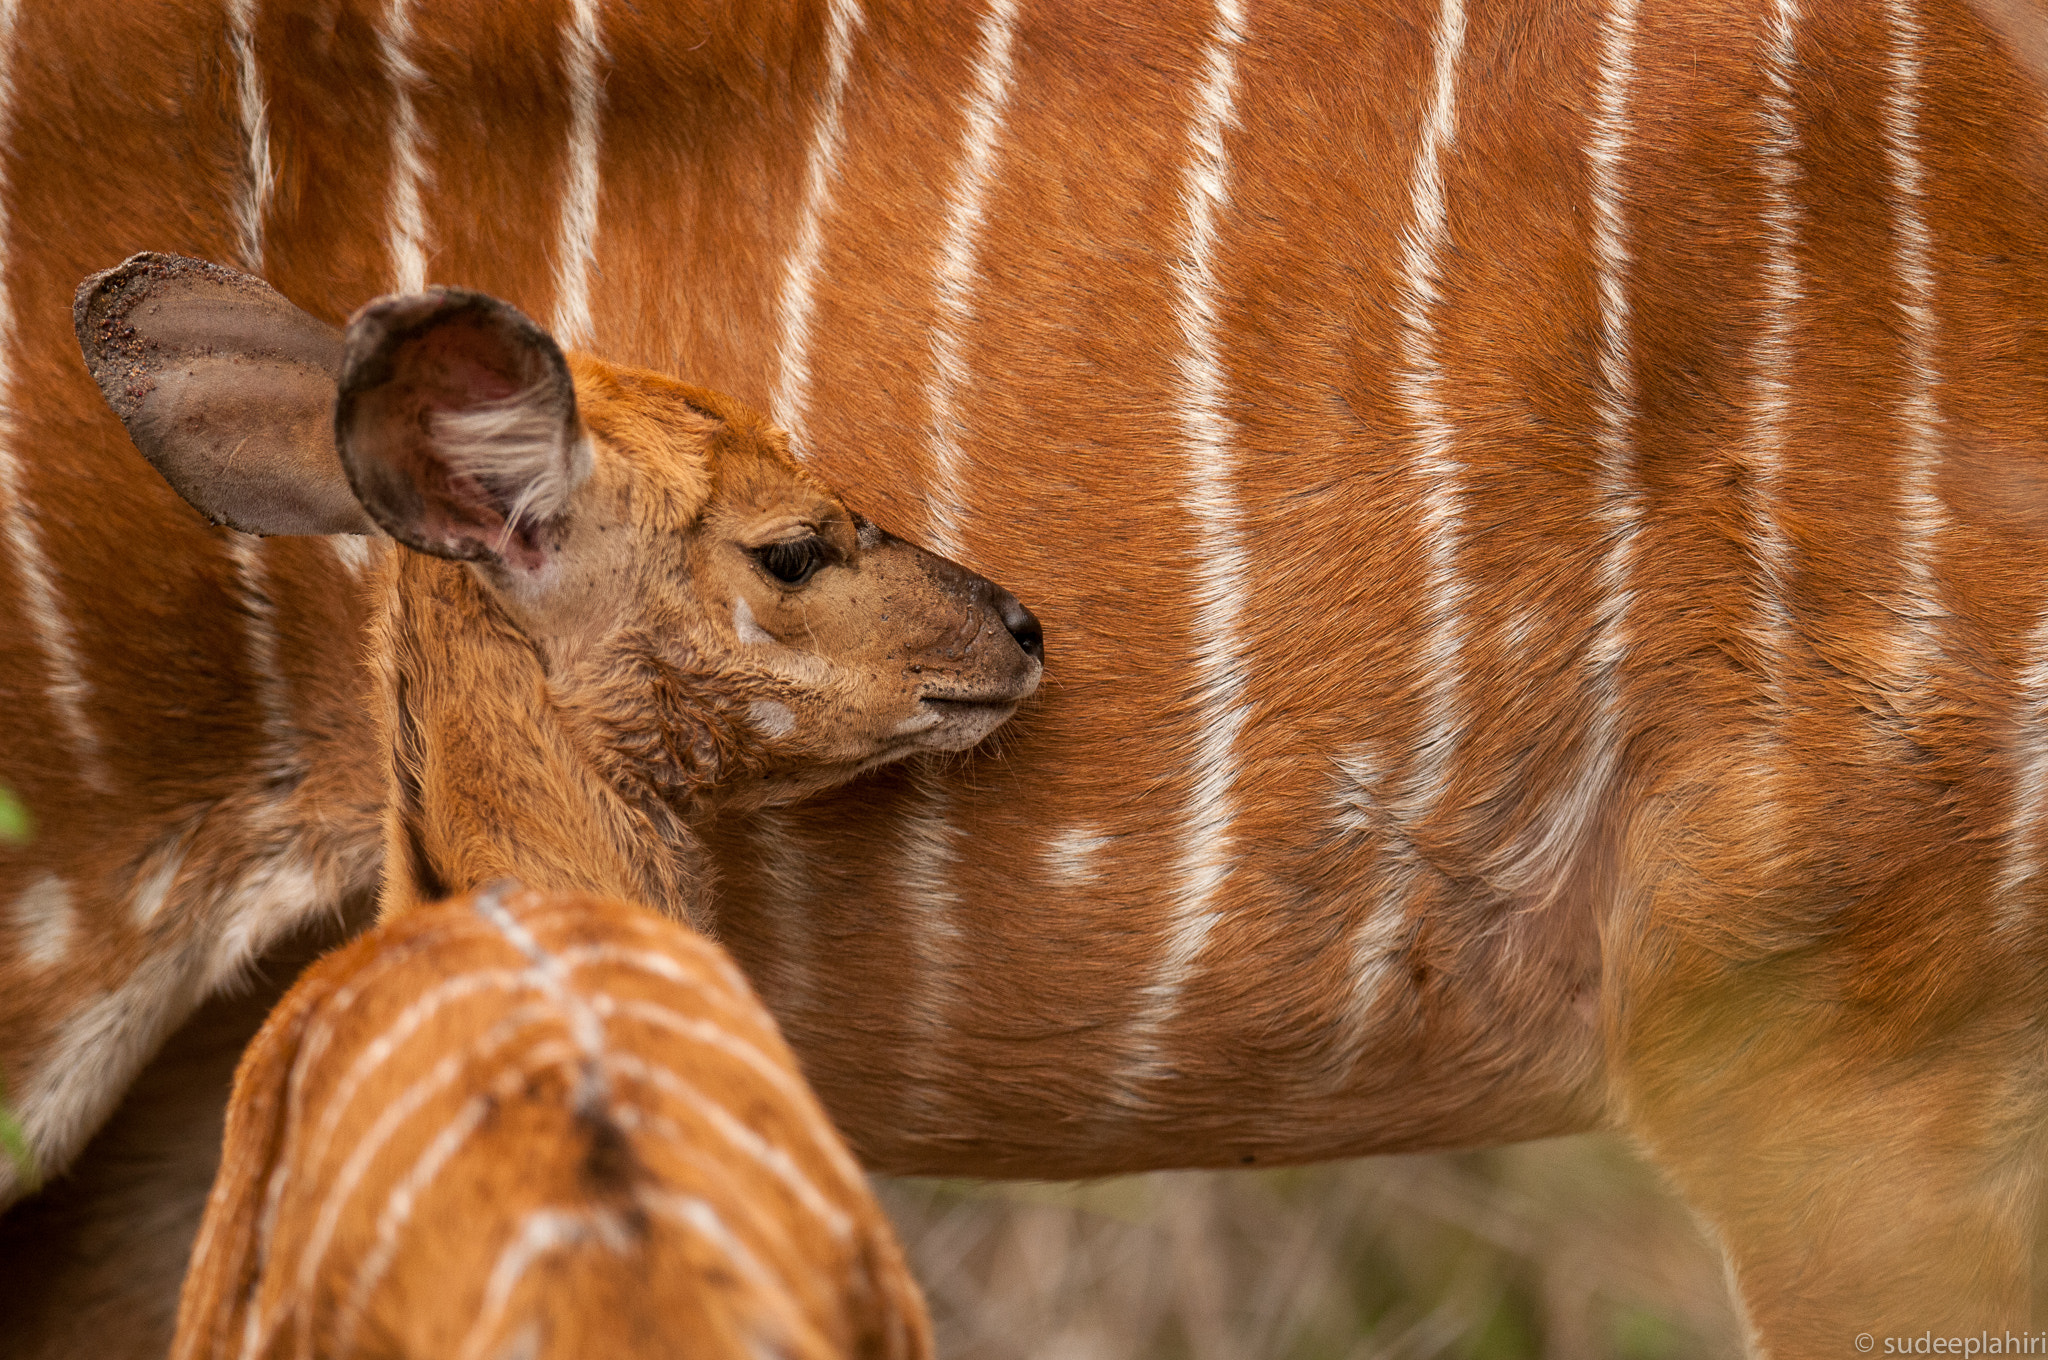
456	422
225	387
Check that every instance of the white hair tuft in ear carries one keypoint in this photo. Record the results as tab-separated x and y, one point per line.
515	447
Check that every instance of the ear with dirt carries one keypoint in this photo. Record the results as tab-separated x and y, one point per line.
457	424
225	387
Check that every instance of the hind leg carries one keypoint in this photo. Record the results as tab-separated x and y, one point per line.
1860	1206
1860	1121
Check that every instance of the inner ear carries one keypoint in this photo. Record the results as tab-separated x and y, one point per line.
456	421
225	387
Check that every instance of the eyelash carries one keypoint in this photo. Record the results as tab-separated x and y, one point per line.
793	562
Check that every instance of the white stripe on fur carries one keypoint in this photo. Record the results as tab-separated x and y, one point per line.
787	405
1922	515
280	751
1379	938
260	180
1222	582
2022	862
1440	525
735	1131
327	1221
75	1081
44	922
703	1220
1776	150
576	238
355	552
67	691
1618	512
928	853
403	1199
1072	855
406	229
958	275
788	900
543	1232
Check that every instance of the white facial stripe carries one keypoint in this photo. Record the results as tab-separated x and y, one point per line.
923	721
743	623
770	718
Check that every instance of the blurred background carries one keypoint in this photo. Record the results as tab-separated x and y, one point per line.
1560	1249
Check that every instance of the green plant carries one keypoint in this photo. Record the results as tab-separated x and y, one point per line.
14	1145
16	827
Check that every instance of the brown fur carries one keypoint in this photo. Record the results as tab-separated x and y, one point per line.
1782	943
520	1124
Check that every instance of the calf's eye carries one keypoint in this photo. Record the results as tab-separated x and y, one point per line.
793	562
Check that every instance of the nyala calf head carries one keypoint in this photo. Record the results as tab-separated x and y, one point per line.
735	631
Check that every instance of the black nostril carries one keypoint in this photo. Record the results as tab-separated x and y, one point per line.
1022	623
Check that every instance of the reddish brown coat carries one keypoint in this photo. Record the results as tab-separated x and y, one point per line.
1660	747
517	1124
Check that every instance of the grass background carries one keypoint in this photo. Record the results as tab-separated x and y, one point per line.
1565	1248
